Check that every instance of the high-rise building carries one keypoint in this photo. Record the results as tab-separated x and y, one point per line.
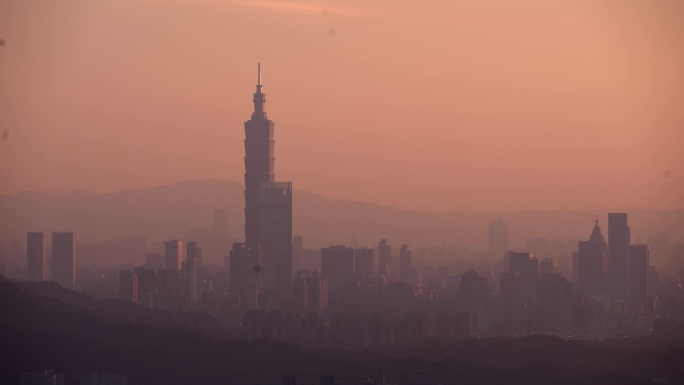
259	160
639	259
245	274
553	304
364	262
193	261
36	268
590	264
300	291
498	237
64	259
618	257
528	267
384	258
337	265
547	266
317	294
268	204
168	290
147	286
154	260
297	252
406	264
173	255
128	285
275	239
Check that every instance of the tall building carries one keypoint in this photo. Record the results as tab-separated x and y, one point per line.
547	266
245	274
297	252
300	292
317	294
275	239
268	204
590	264
498	237
259	160
384	258
36	268
554	304
147	286
618	257
128	285
639	259
64	259
173	255
337	265
528	267
193	261
168	289
406	264
364	262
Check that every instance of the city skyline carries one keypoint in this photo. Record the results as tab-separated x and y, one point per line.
450	159
453	119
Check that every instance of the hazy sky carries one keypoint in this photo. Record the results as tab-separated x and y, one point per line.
429	105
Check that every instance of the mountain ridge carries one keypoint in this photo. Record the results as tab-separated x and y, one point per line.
169	211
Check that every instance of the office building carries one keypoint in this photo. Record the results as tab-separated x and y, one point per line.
36	265
246	270
297	252
384	258
317	300
364	262
268	204
173	255
128	285
193	261
553	304
337	265
64	259
589	264
546	266
618	258
406	264
528	267
639	259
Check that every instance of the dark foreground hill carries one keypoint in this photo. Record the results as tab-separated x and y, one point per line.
167	212
75	336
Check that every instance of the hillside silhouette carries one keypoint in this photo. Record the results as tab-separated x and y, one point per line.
51	327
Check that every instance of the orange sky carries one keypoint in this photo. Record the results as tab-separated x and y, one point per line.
428	105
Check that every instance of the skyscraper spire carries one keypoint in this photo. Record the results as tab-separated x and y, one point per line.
259	97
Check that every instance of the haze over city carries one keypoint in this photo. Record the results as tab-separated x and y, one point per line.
437	106
341	193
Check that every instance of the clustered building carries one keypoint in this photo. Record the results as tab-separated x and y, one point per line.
355	297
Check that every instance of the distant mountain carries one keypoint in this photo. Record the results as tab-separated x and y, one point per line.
167	212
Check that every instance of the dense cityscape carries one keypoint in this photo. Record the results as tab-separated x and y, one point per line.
272	287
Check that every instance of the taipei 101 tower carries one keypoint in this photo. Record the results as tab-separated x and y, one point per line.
268	208
259	160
